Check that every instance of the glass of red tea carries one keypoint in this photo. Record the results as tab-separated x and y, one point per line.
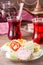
38	30
14	31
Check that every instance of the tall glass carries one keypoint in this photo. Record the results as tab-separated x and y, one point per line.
14	31
38	30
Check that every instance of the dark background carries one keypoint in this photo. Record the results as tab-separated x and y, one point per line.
30	1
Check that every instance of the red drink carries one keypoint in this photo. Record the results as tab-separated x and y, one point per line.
14	29
38	30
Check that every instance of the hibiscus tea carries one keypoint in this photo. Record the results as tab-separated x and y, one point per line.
14	31
38	30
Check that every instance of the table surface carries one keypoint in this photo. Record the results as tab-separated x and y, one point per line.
3	60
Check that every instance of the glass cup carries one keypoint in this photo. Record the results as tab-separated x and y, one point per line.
38	30
14	31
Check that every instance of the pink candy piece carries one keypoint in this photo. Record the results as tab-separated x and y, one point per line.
23	54
4	28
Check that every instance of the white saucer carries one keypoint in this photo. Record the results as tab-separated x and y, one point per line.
34	56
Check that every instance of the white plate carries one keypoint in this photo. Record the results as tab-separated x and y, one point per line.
37	55
34	56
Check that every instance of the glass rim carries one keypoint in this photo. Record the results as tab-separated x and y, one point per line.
37	20
12	19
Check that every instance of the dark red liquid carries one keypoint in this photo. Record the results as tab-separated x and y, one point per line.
14	29
38	32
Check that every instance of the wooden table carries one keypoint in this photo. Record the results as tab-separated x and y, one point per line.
4	61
